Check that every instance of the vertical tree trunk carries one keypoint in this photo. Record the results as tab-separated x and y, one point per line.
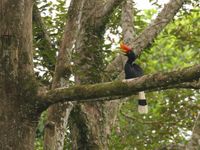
55	129
87	117
89	121
17	131
17	86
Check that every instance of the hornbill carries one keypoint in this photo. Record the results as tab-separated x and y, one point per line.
133	70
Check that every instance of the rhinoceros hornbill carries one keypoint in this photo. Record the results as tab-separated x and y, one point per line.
133	70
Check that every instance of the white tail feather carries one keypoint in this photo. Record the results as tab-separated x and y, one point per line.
142	109
141	95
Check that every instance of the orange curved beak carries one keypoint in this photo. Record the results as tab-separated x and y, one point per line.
124	48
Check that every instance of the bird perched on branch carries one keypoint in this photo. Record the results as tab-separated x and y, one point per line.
133	70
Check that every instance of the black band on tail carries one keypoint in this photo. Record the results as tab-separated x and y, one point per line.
142	102
133	70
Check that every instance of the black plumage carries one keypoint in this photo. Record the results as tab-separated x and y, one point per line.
131	69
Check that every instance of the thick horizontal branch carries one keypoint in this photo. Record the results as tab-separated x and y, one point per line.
122	88
187	85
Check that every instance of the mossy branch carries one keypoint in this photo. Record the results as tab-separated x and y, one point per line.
187	85
111	90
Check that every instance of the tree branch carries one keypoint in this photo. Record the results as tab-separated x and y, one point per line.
37	19
163	18
63	67
128	33
187	85
43	34
101	12
57	117
110	6
147	36
128	36
122	88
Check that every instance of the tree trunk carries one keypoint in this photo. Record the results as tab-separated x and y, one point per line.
18	89
88	119
17	129
55	129
91	121
20	107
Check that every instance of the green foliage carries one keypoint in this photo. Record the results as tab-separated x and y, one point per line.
54	16
40	132
172	112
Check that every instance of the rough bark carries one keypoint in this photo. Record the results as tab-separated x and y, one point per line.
188	85
60	73
55	128
146	37
123	88
61	70
86	129
106	10
18	89
88	132
112	107
127	22
20	106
